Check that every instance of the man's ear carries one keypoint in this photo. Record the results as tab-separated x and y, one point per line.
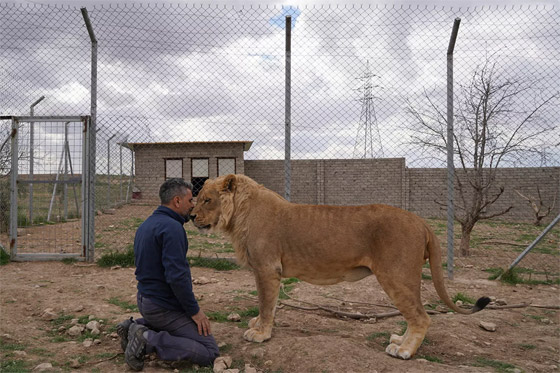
229	184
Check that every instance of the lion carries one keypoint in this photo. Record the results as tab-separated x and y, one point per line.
324	245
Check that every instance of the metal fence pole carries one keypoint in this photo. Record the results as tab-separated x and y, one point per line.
120	174
288	112
13	190
31	157
65	185
91	151
108	202
450	165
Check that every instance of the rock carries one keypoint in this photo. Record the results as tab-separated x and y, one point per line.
258	353
93	325
250	369
97	341
268	363
222	344
203	281
421	360
488	326
87	342
459	354
74	321
43	367
231	371
20	353
79	308
61	328
95	331
75	331
116	267
115	335
74	364
234	317
459	303
222	363
501	302
91	317
48	314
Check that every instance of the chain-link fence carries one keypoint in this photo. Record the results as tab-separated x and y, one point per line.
200	91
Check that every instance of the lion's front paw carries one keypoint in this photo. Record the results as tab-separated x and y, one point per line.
255	335
397	351
396	339
255	322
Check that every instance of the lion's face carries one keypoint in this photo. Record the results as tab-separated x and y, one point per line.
206	214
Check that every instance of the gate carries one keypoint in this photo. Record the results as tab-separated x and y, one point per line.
51	188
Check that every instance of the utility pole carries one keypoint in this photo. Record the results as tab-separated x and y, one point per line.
368	131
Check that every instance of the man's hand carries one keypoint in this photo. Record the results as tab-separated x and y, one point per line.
202	322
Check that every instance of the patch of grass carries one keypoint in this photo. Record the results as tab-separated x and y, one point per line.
226	348
123	259
249	312
291	280
218	316
374	336
59	339
426	277
127	306
514	276
215	263
61	319
4	257
69	260
433	359
14	366
499	366
4	346
463	298
41	352
526	346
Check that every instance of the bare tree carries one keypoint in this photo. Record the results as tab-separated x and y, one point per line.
491	126
537	204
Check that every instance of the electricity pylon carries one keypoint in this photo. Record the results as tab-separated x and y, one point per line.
368	131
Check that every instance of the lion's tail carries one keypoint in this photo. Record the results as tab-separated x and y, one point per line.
434	254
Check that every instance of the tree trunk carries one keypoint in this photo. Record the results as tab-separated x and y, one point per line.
466	230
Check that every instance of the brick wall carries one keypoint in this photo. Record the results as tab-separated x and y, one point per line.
336	181
428	191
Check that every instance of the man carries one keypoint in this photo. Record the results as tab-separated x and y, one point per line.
173	325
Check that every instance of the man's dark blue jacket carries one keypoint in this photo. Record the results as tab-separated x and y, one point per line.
160	255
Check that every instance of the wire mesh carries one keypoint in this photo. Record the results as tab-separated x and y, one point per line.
199	91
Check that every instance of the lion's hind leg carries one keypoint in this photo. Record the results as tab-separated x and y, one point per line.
406	298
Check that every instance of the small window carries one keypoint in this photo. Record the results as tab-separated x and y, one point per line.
200	174
226	166
173	168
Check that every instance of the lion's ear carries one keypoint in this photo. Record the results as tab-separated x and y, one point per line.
229	183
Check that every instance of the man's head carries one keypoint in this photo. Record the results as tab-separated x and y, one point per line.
177	195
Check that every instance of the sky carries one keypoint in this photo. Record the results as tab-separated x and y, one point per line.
220	76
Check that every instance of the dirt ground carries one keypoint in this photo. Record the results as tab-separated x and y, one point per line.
526	339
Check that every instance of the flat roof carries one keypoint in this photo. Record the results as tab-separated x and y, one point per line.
131	145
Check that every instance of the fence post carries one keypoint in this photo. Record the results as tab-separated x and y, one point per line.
450	165
91	151
288	112
31	157
13	189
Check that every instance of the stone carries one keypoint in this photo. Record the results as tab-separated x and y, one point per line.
74	364
87	342
75	331
258	353
93	325
91	317
43	367
501	302
48	314
234	317
74	321
79	308
488	326
222	363
231	371
250	369
95	331
20	353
